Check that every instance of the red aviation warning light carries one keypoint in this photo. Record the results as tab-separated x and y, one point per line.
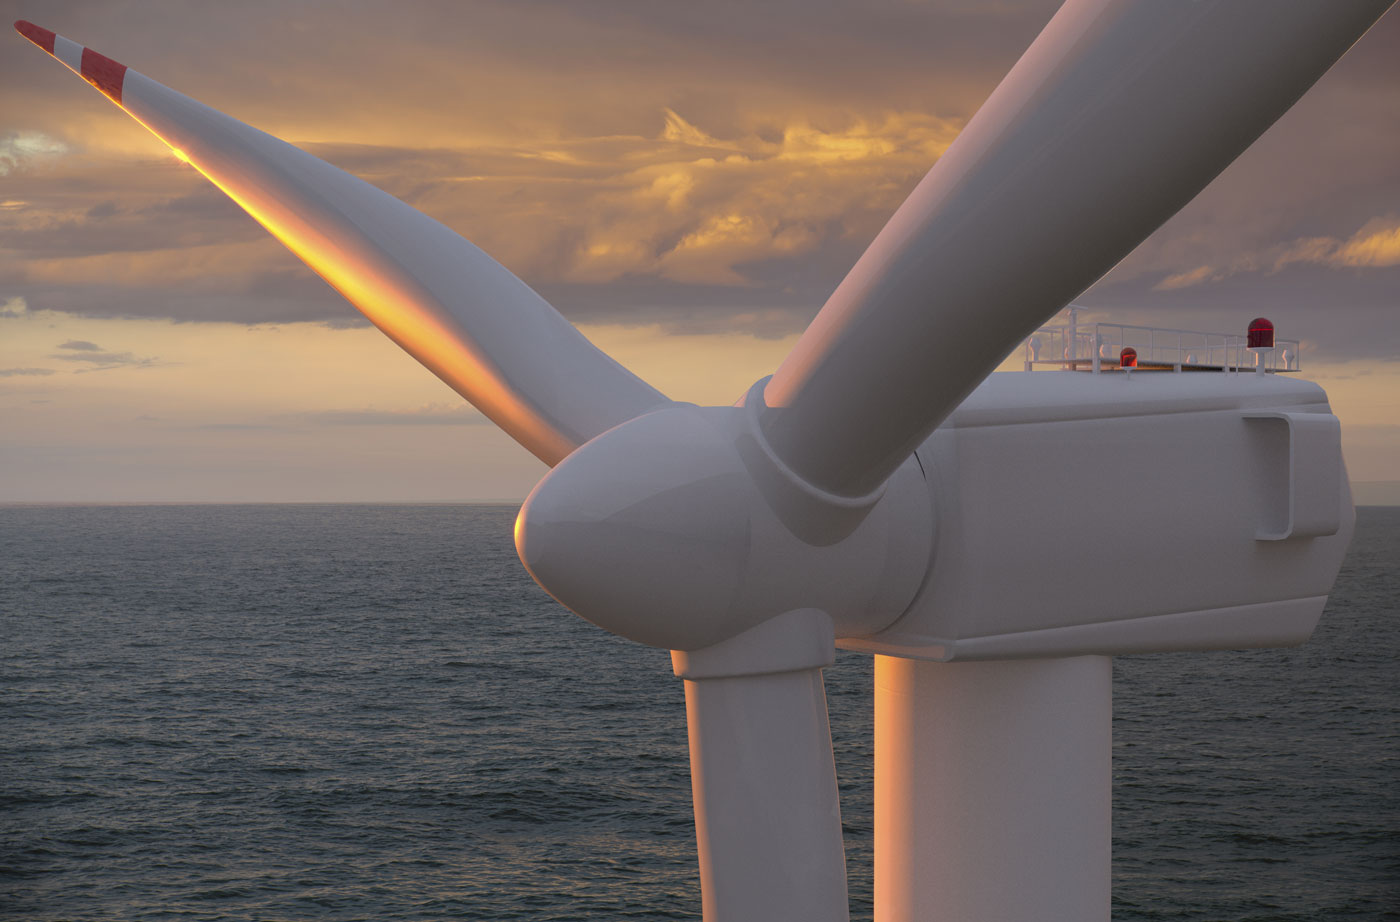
1127	358
1261	333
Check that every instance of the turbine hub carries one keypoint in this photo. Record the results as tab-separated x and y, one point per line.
662	531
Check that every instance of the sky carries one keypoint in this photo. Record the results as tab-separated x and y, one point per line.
685	182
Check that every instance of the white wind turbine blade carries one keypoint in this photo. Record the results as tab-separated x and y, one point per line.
767	807
1117	115
762	774
449	305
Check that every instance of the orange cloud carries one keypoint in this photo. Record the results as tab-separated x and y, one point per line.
698	207
1188	278
682	206
1375	245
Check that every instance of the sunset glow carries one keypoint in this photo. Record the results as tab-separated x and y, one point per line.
687	197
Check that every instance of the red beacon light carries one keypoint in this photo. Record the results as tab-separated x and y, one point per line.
1127	358
1261	333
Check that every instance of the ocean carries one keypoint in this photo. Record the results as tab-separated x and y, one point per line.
371	712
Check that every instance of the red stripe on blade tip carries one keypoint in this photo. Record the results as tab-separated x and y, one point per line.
41	37
104	73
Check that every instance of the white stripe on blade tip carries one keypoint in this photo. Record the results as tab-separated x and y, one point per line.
69	52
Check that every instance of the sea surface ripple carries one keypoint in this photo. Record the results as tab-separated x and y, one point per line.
372	712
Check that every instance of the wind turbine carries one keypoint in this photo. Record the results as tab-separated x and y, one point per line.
992	539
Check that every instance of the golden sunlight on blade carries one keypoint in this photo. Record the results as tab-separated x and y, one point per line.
444	301
417	331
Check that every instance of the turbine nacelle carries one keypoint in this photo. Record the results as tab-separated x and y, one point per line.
1046	491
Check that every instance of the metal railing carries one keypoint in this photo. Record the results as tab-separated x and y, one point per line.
1096	347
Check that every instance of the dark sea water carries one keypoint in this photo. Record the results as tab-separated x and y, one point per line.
371	712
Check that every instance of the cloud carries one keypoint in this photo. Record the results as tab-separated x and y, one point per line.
427	415
234	427
1375	245
699	210
1188	278
82	351
13	372
162	208
431	415
102	360
778	214
701	168
20	150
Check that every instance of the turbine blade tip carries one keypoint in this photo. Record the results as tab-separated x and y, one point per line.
39	36
98	69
